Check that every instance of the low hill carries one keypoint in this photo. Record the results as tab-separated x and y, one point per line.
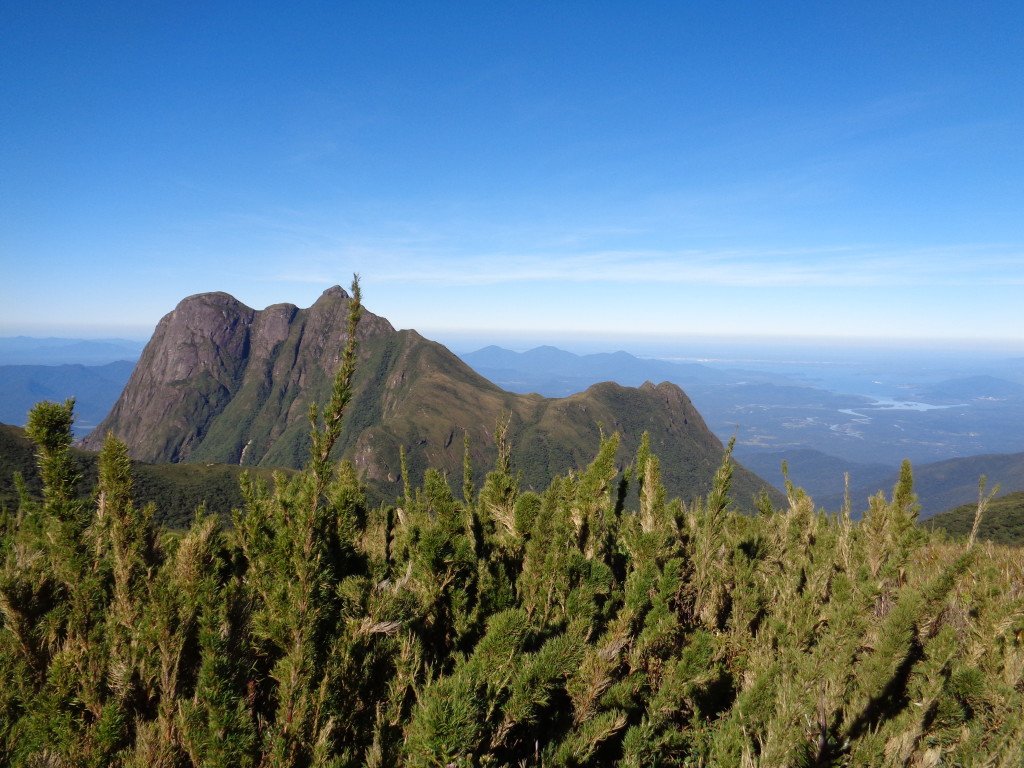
220	382
982	387
943	485
1002	523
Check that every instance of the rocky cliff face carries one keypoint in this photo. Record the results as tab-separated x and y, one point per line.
221	382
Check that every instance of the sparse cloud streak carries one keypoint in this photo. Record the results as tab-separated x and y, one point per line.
829	267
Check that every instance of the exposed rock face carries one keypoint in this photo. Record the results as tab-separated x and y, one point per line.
219	379
221	382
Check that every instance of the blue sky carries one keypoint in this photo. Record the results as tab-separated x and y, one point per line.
536	168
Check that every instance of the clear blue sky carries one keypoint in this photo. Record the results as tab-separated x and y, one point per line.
745	168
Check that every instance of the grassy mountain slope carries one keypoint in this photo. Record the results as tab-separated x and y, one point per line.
430	400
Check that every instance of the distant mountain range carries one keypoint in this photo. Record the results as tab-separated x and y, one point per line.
940	485
95	388
553	372
943	485
818	473
24	350
778	420
93	371
220	382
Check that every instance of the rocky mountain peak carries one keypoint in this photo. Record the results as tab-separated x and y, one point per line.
222	382
209	349
335	292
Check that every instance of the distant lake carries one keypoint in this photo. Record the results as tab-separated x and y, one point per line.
888	404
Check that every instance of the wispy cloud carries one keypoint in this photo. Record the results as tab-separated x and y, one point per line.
834	266
311	250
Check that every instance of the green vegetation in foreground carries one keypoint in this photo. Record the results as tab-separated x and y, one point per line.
175	490
595	624
1002	523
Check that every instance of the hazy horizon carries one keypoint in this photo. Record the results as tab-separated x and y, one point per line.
681	347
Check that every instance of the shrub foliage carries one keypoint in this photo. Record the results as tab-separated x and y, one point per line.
596	623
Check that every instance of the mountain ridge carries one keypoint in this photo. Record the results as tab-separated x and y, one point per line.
222	382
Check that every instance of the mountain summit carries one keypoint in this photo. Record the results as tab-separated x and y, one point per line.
222	382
